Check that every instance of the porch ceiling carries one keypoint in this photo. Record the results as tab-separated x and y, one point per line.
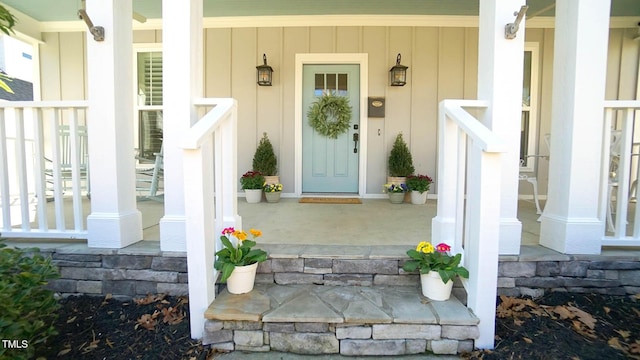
66	10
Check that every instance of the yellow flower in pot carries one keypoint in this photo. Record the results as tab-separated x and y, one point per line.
437	269
272	192
238	263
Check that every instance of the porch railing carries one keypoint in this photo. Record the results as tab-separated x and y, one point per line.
43	158
620	157
209	152
468	212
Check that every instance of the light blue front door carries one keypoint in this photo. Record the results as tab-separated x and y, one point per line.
330	165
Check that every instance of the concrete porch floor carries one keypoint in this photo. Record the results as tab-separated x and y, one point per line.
374	222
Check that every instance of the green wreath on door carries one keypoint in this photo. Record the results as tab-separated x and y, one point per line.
330	115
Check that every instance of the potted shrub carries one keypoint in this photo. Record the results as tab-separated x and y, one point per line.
437	268
272	192
238	263
396	192
265	162
419	185
400	161
252	182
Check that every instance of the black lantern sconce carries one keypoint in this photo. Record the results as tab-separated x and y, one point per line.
265	72
398	73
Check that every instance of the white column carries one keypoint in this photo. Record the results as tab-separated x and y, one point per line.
114	221
182	82
570	221
500	66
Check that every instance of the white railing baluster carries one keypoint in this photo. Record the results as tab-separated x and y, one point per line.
4	174
39	169
21	169
75	169
56	160
461	179
624	174
605	172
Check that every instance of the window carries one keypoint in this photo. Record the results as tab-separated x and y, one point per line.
336	83
529	118
149	104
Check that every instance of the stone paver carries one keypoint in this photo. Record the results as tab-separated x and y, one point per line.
305	307
338	304
354	307
248	307
406	306
452	312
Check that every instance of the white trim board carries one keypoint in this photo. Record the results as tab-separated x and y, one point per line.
335	20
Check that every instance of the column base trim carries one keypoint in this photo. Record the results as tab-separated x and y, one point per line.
510	236
114	230
571	235
173	233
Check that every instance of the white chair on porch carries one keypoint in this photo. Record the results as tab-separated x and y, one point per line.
533	179
614	163
65	156
148	178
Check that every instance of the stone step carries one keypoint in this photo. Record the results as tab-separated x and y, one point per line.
349	320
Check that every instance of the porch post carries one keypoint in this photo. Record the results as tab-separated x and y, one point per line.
570	221
500	67
182	82
114	221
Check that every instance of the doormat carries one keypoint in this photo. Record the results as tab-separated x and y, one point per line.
322	200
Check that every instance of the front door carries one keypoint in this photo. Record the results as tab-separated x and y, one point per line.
330	165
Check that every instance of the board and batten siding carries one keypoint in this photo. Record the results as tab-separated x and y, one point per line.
442	64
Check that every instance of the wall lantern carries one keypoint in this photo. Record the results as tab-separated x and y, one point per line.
398	73
265	72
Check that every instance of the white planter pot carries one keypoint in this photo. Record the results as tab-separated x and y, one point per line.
253	196
434	288
242	279
419	198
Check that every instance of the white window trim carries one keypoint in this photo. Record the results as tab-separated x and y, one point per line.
533	148
138	48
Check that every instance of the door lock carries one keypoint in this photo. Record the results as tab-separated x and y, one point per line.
356	138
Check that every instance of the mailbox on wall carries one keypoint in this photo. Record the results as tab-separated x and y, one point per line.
376	107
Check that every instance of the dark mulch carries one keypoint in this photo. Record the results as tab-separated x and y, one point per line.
556	326
567	326
155	327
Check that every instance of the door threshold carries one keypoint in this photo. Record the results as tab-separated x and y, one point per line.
330	195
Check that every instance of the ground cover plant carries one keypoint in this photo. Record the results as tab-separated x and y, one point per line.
27	308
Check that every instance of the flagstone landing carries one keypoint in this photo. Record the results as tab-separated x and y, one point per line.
349	320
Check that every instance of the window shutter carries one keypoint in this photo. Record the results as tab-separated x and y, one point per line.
153	78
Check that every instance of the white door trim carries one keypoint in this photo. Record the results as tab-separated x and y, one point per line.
327	59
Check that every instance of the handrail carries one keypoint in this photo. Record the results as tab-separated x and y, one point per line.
210	205
468	208
203	129
487	140
45	104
